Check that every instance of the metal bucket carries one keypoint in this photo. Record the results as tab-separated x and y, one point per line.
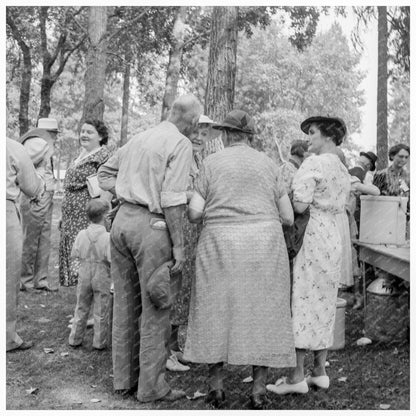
387	314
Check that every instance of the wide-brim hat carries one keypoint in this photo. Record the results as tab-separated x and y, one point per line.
372	157
49	124
162	286
339	123
237	120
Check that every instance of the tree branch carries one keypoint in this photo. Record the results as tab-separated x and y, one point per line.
128	24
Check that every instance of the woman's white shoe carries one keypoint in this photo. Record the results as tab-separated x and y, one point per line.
172	364
283	387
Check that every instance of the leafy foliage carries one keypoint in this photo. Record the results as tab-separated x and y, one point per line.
303	23
280	86
399	111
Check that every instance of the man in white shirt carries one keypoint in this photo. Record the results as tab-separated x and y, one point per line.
37	218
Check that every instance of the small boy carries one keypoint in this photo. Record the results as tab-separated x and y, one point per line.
92	248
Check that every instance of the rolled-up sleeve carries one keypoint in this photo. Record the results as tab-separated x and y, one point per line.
176	177
107	173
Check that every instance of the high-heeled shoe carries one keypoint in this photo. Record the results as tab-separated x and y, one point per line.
216	398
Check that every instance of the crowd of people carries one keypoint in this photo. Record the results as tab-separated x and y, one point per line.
188	224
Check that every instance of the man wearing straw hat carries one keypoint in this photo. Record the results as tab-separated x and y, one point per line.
37	218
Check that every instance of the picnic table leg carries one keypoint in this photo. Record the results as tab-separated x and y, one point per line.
364	286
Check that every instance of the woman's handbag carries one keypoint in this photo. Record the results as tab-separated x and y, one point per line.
294	233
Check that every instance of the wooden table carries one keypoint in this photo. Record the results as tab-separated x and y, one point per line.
392	259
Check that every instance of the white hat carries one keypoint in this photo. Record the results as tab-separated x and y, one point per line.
205	119
48	124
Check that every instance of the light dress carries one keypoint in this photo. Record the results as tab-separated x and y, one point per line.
323	182
239	308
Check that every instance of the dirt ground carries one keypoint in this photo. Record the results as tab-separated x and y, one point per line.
372	377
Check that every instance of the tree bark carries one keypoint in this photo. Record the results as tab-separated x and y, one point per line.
382	134
125	106
96	64
46	83
219	96
174	65
26	77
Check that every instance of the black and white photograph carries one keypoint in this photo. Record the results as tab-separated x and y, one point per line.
207	207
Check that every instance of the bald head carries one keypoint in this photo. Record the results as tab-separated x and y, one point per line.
185	113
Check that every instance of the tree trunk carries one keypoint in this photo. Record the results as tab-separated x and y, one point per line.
219	96
125	105
25	91
174	65
26	76
382	135
46	84
96	64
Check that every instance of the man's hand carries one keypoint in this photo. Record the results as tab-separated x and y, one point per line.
179	257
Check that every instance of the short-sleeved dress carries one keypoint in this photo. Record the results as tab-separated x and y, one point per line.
240	309
74	215
324	182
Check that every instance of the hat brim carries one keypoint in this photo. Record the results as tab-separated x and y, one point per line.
226	126
304	126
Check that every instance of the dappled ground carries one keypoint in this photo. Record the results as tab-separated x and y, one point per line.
375	376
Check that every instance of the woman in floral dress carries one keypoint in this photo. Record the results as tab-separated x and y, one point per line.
93	136
322	183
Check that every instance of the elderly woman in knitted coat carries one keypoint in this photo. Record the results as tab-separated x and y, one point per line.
241	263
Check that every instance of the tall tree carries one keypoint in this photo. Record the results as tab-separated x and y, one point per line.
219	98
175	58
26	78
126	99
393	48
96	63
382	138
65	46
49	35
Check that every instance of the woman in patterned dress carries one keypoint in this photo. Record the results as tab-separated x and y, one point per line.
394	180
239	309
322	183
93	136
205	143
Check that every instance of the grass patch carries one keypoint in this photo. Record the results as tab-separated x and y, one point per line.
376	374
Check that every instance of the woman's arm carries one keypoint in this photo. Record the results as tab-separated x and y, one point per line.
196	208
368	189
285	210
